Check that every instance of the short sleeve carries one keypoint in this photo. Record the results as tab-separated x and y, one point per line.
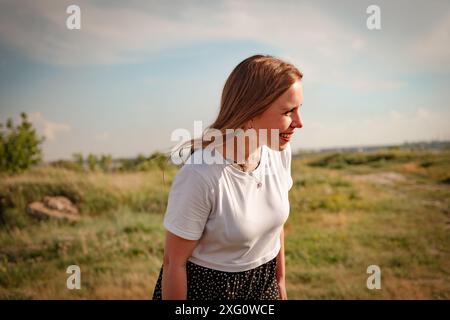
189	204
287	163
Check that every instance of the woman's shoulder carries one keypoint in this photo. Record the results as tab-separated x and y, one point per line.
197	164
287	152
283	156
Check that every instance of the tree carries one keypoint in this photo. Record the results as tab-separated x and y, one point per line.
106	162
19	146
160	159
78	159
92	162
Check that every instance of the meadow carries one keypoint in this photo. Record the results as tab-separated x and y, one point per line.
349	210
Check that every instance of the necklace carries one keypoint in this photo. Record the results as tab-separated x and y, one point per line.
259	181
242	167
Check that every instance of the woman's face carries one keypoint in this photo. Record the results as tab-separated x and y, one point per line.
284	115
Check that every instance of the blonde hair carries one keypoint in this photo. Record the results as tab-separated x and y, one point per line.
253	85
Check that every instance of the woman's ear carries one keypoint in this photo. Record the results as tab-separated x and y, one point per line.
249	125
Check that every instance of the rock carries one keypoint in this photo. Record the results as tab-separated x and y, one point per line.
54	207
61	204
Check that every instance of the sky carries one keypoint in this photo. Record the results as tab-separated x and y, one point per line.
138	70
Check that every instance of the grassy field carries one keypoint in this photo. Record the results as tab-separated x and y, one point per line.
348	211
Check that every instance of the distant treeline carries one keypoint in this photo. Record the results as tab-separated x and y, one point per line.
20	149
406	146
105	163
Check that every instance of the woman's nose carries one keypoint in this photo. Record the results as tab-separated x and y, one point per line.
297	121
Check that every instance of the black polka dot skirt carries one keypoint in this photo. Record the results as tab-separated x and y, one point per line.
209	284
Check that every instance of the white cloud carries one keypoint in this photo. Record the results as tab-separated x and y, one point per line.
366	84
48	129
433	48
113	34
322	44
104	136
395	127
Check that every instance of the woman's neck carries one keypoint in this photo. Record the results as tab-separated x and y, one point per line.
245	154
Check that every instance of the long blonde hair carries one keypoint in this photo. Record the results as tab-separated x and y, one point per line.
253	85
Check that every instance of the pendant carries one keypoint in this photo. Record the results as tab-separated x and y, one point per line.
259	185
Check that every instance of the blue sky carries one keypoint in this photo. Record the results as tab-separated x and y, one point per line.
138	70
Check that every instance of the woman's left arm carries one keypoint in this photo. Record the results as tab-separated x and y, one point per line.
281	275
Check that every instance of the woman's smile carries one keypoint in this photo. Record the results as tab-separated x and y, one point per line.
286	137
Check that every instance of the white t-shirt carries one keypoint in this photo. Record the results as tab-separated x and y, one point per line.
237	223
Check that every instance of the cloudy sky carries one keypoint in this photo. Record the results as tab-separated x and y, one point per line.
137	70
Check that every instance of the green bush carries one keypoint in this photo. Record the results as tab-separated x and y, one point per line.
19	146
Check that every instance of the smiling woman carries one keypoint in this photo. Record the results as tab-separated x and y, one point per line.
224	221
285	119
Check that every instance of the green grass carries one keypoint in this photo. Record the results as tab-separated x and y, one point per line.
391	209
119	255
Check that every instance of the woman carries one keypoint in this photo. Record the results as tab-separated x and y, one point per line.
224	221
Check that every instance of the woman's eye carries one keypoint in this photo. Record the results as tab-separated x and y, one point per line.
288	112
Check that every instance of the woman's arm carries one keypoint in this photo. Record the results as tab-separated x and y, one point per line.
174	281
281	275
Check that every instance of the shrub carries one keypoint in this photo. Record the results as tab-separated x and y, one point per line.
19	146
